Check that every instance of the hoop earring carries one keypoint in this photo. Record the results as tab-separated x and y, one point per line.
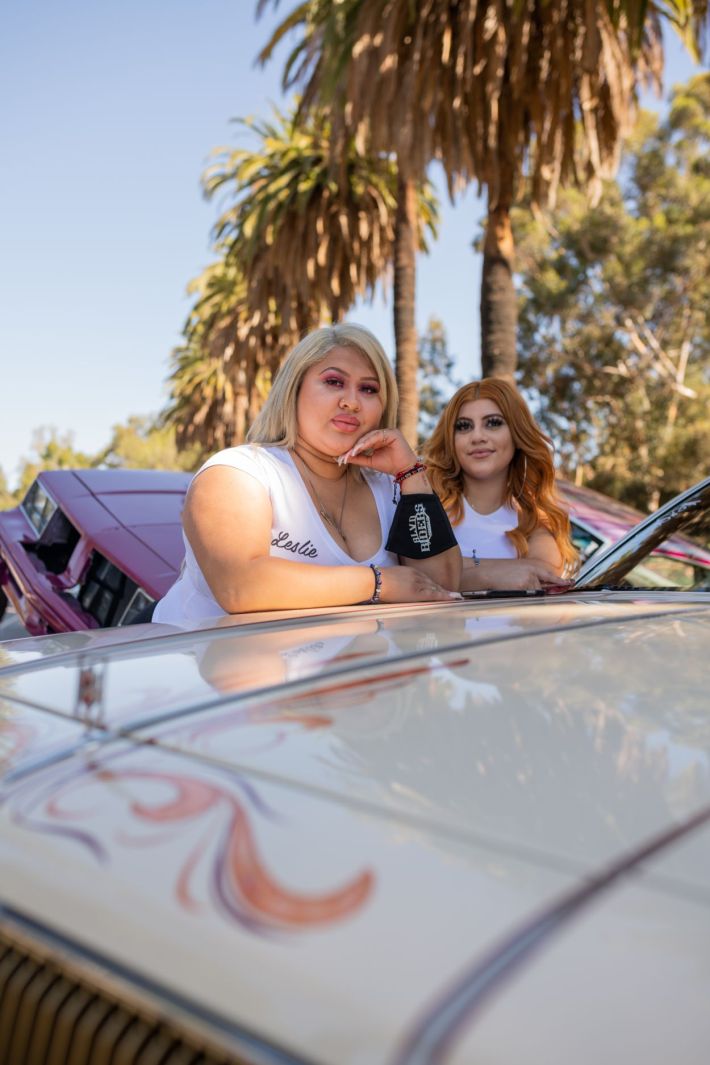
525	474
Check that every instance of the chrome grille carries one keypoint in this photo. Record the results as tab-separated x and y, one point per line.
54	1013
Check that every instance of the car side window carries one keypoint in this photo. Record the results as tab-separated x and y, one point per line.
680	562
584	541
38	506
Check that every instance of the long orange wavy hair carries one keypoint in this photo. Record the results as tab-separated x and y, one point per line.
531	479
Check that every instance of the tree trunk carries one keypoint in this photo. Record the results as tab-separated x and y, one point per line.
499	311
405	330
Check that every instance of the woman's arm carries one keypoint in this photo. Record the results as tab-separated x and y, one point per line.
542	548
541	568
445	568
386	450
227	521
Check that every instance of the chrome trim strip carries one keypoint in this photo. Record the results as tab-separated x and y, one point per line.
432	1038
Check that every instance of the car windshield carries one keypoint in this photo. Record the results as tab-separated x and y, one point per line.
668	551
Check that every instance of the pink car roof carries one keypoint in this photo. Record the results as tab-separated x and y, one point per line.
604	515
116	508
612	520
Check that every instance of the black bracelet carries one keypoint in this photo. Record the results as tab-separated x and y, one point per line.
420	528
378	583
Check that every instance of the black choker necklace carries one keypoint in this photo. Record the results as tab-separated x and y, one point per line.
300	446
312	454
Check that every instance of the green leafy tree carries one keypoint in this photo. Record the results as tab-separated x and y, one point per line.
140	443
498	91
615	316
52	450
7	498
437	381
143	444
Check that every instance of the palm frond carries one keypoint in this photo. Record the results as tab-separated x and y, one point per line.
497	91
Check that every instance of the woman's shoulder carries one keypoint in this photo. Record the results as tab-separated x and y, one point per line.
247	457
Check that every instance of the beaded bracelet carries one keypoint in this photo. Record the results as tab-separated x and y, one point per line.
378	583
418	467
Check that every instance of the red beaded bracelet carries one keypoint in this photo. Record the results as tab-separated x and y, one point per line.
418	467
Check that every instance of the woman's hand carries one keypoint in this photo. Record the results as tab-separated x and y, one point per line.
403	584
385	450
510	574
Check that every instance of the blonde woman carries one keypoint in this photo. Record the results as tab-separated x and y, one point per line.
303	514
491	466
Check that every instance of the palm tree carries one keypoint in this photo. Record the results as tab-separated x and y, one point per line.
322	23
221	374
306	231
312	223
498	90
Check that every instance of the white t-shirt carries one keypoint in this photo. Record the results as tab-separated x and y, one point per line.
485	533
297	531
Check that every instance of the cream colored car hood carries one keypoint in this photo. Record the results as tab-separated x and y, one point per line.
412	834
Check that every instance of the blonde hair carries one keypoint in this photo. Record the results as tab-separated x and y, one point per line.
531	475
276	422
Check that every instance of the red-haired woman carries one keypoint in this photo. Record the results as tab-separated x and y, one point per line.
491	466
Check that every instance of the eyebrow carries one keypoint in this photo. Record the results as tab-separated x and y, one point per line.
345	373
468	418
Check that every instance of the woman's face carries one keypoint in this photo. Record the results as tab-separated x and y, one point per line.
339	401
482	440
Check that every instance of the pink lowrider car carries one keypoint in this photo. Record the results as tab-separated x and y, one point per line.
597	520
91	548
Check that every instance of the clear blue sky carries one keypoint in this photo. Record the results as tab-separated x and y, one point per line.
108	113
